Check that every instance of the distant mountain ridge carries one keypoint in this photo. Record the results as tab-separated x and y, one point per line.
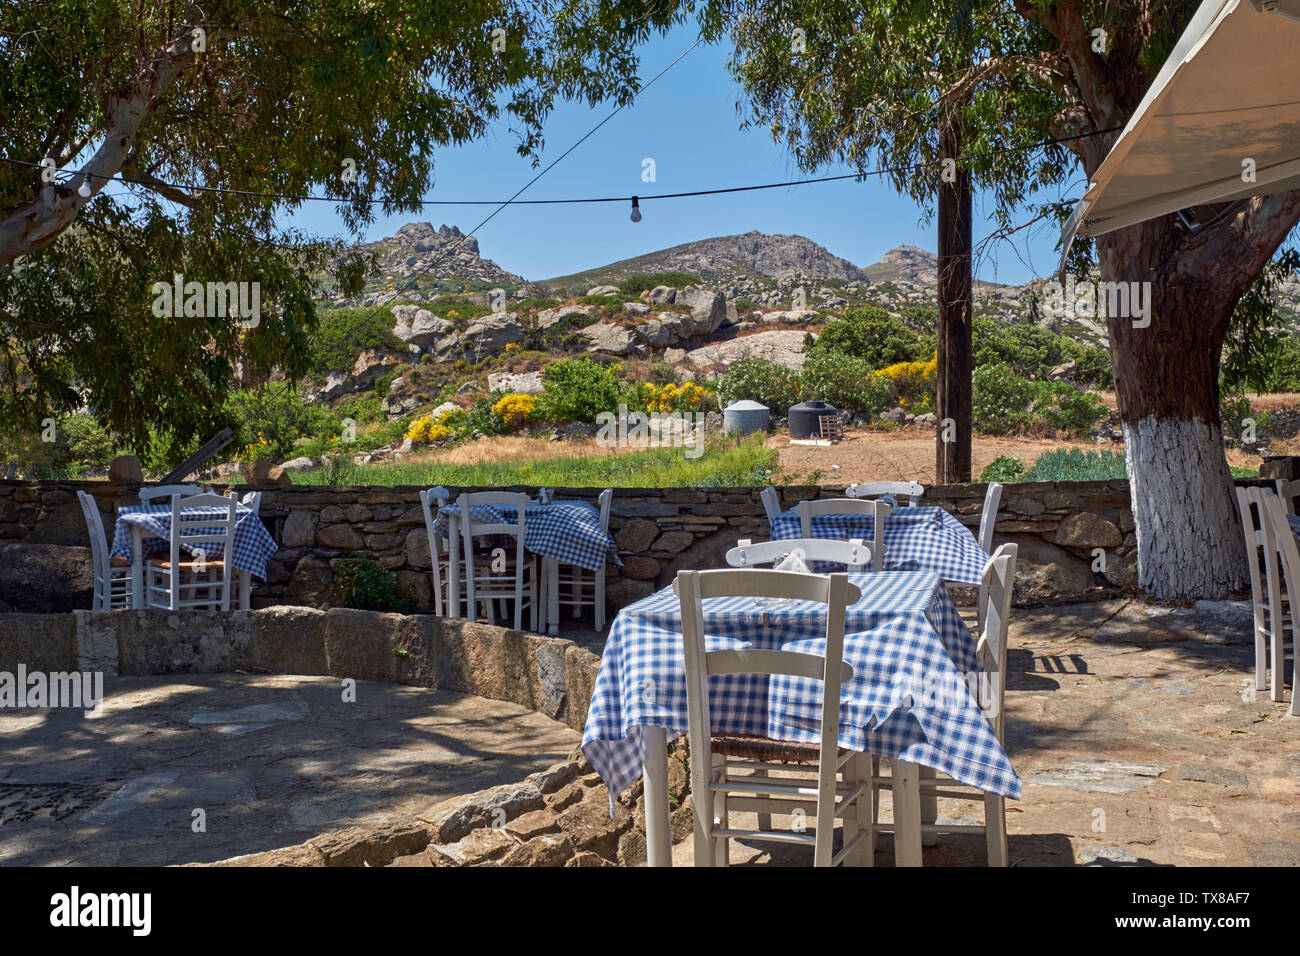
722	259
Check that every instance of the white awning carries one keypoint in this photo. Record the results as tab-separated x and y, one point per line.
1229	93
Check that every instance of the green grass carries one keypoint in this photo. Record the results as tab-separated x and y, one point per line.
725	463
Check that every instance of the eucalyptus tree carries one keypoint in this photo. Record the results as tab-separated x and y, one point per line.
874	83
122	122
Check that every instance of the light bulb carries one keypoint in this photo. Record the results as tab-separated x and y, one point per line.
636	210
84	189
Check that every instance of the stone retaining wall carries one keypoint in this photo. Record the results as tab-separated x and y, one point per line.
546	674
1076	538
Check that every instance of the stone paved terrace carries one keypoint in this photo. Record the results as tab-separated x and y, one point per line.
1126	722
272	760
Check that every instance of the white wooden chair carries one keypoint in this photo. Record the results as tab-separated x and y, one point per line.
841	788
989	516
855	555
175	582
1288	490
253	502
988	519
874	489
112	576
573	579
771	502
149	496
1281	542
1265	589
498	573
879	511
998	578
431	500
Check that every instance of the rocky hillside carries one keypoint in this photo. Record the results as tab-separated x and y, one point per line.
451	259
723	258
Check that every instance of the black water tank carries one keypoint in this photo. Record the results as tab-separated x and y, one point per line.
805	418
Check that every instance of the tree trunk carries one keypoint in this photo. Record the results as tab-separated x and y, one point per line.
953	386
1167	383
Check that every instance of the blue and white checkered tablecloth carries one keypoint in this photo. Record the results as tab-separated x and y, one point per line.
914	668
916	539
1294	522
568	531
253	544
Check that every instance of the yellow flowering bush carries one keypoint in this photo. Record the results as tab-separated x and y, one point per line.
672	397
513	347
515	409
427	428
911	382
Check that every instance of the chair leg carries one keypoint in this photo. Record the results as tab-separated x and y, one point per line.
721	845
857	770
598	606
1277	635
764	819
929	805
575	592
532	601
874	770
995	828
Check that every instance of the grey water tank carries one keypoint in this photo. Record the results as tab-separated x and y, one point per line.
805	418
743	417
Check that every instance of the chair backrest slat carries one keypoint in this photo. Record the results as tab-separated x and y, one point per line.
989	516
148	495
431	499
871	489
996	589
855	555
771	502
878	510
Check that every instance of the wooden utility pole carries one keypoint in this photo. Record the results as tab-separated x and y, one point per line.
953	393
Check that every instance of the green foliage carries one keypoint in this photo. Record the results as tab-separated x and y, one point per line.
639	283
1257	357
269	420
1001	399
123	93
1077	465
577	390
758	380
873	335
844	381
1033	352
343	334
1004	468
1005	401
368	585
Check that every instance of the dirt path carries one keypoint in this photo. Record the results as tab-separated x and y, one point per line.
906	455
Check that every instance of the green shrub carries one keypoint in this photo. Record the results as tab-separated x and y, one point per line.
80	439
577	390
269	420
1062	407
343	334
1001	400
758	380
368	585
845	382
872	334
1003	468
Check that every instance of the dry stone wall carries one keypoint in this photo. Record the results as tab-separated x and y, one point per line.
1076	538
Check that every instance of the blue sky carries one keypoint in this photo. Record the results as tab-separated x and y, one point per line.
688	124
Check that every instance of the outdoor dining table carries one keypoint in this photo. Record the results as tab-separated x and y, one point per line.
141	530
566	532
916	539
913	660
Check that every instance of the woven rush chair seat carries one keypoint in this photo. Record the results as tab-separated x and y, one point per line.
119	562
754	747
188	565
